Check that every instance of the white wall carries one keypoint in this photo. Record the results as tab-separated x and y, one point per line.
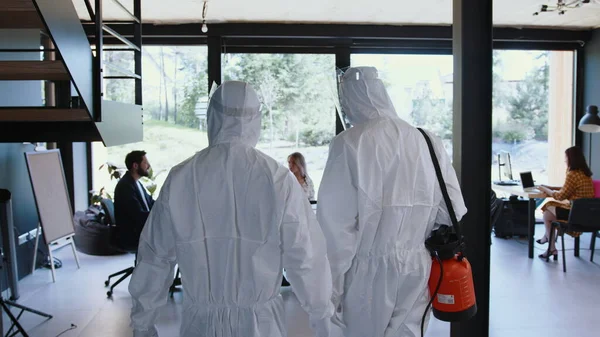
80	178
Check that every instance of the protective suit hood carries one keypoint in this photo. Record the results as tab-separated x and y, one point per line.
363	96
234	114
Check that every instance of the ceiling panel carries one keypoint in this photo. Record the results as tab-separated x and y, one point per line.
513	13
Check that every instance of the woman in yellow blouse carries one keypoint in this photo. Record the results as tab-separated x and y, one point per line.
578	184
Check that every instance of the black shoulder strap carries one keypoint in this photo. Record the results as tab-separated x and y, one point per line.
440	178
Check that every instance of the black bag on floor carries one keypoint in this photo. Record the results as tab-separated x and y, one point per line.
92	235
513	218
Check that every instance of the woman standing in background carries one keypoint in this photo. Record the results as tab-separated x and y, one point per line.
297	166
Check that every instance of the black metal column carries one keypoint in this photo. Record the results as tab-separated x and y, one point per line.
472	136
66	154
89	168
579	105
342	61
98	63
62	99
214	60
7	228
62	94
137	40
49	89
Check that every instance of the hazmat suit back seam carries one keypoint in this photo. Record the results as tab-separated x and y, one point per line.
231	237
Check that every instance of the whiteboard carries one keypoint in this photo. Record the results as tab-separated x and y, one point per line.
51	194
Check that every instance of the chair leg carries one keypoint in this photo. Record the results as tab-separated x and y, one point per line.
576	250
593	246
563	253
128	272
107	282
176	282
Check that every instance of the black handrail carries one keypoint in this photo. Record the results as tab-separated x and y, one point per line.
133	17
125	72
90	10
120	37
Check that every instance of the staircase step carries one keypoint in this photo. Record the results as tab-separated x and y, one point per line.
43	114
16	132
19	14
33	70
17	5
20	20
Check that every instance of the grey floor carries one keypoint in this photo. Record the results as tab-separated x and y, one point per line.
528	297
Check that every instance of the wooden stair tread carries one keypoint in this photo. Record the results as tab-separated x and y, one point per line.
17	6
20	20
20	14
43	114
33	70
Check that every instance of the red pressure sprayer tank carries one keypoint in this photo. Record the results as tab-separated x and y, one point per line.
451	279
455	299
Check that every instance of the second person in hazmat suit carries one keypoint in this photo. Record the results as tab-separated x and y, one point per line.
232	218
378	202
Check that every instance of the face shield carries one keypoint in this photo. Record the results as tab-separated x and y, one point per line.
335	94
362	96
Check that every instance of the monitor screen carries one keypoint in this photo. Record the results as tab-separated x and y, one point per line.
527	179
504	166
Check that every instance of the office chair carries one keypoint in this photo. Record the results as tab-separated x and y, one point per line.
109	211
583	218
597	233
496	206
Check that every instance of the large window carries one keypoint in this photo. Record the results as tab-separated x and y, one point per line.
174	91
532	104
420	87
533	112
297	103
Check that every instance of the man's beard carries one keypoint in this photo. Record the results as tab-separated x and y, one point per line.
142	173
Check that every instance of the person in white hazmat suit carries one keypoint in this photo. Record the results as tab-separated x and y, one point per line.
378	202
232	218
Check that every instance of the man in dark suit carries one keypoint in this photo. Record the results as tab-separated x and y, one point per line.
132	202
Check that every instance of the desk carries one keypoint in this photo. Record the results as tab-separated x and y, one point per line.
518	191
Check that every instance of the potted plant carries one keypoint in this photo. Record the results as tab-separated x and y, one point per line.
114	173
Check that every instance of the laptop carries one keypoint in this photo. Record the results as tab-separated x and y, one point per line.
527	182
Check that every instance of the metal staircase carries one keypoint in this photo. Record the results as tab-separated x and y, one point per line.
72	72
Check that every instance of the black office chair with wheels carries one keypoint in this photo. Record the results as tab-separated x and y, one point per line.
109	210
583	218
496	205
595	235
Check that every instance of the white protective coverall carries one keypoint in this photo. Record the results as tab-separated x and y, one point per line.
378	201
232	218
